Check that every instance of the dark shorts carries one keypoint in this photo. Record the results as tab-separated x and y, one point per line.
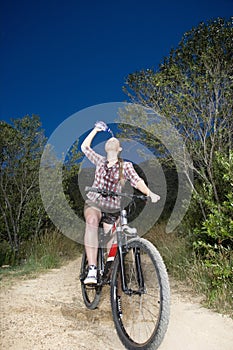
107	217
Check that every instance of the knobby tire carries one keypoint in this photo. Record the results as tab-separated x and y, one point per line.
144	320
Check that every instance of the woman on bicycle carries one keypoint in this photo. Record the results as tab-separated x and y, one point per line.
111	172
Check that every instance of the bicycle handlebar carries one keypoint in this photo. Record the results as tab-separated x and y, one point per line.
106	193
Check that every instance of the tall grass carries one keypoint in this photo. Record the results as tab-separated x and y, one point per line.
52	248
47	251
210	281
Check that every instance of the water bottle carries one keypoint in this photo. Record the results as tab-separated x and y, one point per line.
104	126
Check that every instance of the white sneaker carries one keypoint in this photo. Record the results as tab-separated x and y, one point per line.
91	276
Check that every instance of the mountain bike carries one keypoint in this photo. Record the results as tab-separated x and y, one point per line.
138	280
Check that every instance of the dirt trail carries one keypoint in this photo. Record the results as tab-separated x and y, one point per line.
48	313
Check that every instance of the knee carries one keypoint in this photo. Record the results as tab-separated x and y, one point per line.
92	220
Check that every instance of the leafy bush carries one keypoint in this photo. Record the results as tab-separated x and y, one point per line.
211	277
210	236
5	253
215	232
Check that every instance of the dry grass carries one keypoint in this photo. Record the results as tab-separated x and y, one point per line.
51	250
182	265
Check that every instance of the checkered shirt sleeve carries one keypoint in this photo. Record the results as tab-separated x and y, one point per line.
94	157
130	174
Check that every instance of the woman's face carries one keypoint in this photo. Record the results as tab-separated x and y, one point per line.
113	145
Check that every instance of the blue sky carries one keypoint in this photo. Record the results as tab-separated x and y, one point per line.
59	57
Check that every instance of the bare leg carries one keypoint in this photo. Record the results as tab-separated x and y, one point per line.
92	217
107	227
109	244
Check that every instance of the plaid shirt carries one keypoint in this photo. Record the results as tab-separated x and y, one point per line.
108	179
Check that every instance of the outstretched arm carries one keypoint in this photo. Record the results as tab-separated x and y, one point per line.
137	182
141	186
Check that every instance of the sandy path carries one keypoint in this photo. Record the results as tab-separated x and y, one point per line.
48	313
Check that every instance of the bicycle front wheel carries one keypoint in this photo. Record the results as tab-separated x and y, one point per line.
141	316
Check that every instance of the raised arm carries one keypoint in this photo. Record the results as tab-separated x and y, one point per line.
88	140
99	126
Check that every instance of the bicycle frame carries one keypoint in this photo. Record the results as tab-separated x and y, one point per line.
103	240
120	247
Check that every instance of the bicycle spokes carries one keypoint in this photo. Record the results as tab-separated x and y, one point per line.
142	304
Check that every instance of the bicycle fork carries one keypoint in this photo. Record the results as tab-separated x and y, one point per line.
137	261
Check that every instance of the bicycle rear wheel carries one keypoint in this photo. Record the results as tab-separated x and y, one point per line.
91	293
145	309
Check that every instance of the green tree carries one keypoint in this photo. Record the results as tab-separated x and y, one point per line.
21	209
59	189
71	185
193	90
